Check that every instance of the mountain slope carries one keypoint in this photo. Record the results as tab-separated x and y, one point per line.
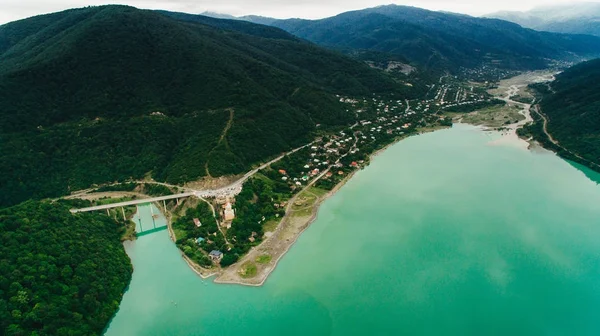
61	274
438	40
571	106
574	110
577	18
107	93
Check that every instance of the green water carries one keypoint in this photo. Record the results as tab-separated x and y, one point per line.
441	235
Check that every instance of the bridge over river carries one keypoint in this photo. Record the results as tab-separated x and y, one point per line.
231	190
134	202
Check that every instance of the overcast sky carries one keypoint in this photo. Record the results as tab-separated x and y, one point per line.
11	10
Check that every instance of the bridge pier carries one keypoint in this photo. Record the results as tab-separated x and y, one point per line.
137	210
178	201
123	211
165	205
108	212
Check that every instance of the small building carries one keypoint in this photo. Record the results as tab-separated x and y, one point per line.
215	255
197	222
252	237
282	172
229	213
199	240
354	164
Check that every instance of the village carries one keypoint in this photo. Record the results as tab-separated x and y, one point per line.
242	222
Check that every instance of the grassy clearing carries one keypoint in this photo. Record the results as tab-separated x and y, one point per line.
304	200
318	192
302	213
496	116
179	234
248	270
264	259
271	226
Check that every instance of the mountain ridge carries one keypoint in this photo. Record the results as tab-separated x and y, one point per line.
441	40
85	92
577	18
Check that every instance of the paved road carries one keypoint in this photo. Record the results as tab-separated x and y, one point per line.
230	190
545	125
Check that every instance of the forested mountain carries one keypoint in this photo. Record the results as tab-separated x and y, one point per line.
106	93
250	18
574	18
573	110
60	274
438	40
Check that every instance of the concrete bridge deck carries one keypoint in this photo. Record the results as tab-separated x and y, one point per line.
135	202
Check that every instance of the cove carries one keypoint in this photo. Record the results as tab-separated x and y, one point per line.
443	234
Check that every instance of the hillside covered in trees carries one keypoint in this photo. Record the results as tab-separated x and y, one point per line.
572	106
60	274
107	93
441	41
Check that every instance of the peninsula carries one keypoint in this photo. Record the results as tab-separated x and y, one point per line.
236	131
238	232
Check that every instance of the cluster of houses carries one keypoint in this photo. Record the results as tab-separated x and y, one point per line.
486	72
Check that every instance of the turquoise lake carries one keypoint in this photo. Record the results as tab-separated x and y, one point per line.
443	234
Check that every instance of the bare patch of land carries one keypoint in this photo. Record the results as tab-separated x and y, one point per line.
211	183
495	116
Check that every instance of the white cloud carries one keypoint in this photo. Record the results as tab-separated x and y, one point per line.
17	9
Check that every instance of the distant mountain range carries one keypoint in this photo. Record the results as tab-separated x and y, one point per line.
440	40
250	18
106	93
575	18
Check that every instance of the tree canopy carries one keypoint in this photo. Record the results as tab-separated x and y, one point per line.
60	273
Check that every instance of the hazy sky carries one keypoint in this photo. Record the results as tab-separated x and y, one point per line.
11	10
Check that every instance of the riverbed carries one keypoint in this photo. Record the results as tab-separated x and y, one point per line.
443	234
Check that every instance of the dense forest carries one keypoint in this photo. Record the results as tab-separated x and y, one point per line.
103	94
60	274
572	105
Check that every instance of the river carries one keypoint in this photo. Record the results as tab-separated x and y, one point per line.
443	234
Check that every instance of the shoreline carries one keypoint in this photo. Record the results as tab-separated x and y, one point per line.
231	276
307	224
199	270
